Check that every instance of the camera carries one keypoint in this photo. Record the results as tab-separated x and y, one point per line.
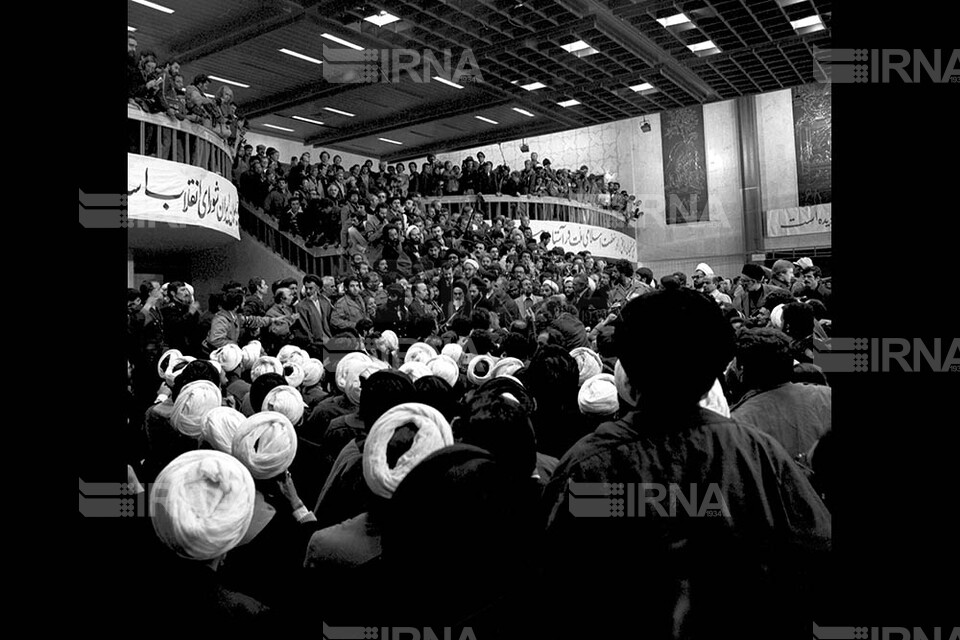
524	148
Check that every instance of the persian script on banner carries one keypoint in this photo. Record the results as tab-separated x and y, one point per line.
163	191
603	243
795	221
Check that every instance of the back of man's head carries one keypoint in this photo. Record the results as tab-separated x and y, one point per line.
673	344
765	357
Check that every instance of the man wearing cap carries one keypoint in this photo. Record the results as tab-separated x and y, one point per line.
782	274
753	292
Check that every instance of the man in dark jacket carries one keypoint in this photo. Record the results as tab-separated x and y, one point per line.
394	315
742	523
754	292
554	314
181	316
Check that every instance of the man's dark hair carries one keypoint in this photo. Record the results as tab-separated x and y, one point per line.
673	370
232	301
173	287
516	345
625	268
262	386
765	356
231	286
552	377
436	392
645	274
146	288
290	283
349	279
382	391
798	320
199	79
777	297
132	294
254	284
315	279
196	370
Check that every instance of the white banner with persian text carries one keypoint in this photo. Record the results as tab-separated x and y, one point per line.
603	243
797	221
164	191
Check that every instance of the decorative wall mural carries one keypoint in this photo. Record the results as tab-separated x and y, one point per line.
811	125
684	166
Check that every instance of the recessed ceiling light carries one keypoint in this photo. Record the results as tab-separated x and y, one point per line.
806	22
646	86
153	5
569	103
343	113
129	28
389	140
447	82
382	18
579	48
341	41
273	126
702	46
670	21
300	55
523	111
533	86
234	83
302	119
486	119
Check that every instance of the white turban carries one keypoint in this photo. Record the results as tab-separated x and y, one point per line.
265	364
471	261
598	395
347	366
202	504
411	228
293	373
286	400
472	375
705	268
286	352
299	357
433	433
415	370
193	402
312	373
356	376
553	286
715	400
266	444
163	365
389	341
776	317
444	367
506	367
220	425
251	353
588	363
229	356
453	350
624	389
420	352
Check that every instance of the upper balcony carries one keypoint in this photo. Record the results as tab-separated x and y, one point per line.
178	195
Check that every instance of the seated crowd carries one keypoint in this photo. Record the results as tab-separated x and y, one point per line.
396	446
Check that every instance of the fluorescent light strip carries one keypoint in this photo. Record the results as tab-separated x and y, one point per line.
152	5
806	22
389	140
524	112
302	119
670	21
341	41
575	46
486	119
646	86
131	29
273	126
300	55
447	82
236	84
569	103
702	46
382	18
209	95
343	113
533	86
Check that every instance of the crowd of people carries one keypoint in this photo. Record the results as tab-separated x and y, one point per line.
316	202
160	88
400	448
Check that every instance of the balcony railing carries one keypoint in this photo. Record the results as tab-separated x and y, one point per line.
536	208
160	136
323	262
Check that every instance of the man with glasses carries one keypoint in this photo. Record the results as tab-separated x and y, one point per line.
753	292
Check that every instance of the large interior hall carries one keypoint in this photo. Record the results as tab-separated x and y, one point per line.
481	318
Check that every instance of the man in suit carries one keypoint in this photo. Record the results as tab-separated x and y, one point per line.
526	300
313	322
